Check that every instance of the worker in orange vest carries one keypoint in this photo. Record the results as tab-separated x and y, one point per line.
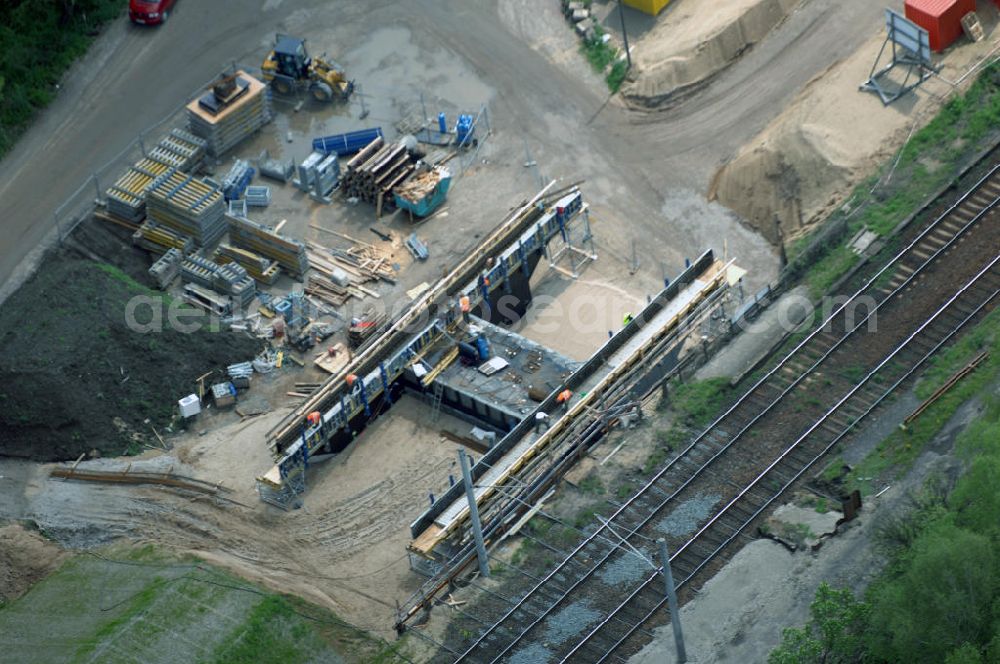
563	398
466	306
349	379
313	418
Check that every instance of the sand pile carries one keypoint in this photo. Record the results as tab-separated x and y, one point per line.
694	41
830	137
25	558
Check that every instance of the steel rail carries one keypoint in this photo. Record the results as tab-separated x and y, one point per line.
582	433
774	495
746	398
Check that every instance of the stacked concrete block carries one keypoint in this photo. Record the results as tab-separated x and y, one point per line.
166	268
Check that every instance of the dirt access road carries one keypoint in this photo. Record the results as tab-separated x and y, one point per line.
647	169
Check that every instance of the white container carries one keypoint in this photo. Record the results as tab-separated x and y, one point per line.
189	405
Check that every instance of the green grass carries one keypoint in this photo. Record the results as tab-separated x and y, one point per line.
146	606
40	42
601	57
655	460
698	402
937	599
828	269
592	484
896	453
926	164
118	275
616	76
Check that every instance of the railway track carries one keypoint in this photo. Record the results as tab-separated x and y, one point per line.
799	410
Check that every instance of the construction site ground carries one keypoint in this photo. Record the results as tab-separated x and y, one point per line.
646	176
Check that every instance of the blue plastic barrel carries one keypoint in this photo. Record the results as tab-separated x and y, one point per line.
463	129
483	346
443	123
467	351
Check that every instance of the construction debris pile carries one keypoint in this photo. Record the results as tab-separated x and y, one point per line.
342	272
423	191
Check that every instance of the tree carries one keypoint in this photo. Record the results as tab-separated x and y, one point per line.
967	654
940	600
833	634
976	497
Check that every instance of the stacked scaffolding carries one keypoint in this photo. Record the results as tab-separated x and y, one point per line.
237	179
185	145
230	279
225	120
127	196
158	239
198	270
288	253
189	206
179	150
260	268
233	280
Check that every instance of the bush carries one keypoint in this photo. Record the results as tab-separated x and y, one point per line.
41	39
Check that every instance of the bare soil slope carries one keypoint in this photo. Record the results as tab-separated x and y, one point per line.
71	364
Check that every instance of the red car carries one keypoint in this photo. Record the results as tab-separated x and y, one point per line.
149	12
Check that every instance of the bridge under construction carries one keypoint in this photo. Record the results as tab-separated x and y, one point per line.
538	411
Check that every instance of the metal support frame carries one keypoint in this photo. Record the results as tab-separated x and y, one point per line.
477	528
675	614
910	49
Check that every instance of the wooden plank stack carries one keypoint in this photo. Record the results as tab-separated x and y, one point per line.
189	206
260	268
326	290
372	174
237	117
288	253
362	263
363	328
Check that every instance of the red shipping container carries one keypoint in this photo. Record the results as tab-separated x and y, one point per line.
941	18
